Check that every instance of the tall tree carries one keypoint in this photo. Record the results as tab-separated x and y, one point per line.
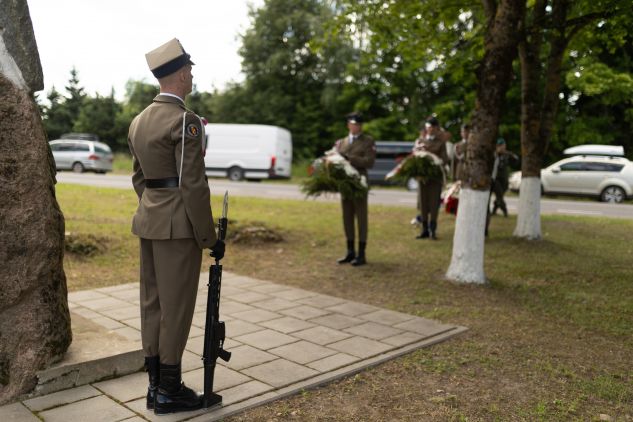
547	29
494	74
98	115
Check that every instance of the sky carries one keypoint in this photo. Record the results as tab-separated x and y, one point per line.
106	40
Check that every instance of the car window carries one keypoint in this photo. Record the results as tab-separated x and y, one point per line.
55	147
573	166
101	150
603	167
65	147
81	147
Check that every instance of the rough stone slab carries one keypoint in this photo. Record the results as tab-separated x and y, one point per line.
373	331
17	412
387	317
333	362
96	409
246	356
60	398
266	339
360	346
302	352
125	388
287	325
280	372
322	335
256	315
337	321
304	312
352	308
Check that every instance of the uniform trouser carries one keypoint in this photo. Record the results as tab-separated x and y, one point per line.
429	199
499	190
355	209
170	270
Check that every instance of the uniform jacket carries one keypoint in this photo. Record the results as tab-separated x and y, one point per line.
361	153
155	141
460	158
435	146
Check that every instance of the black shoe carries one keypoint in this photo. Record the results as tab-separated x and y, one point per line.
359	260
347	258
152	366
425	231
172	395
433	230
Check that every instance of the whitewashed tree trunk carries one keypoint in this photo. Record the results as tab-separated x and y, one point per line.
467	263
529	218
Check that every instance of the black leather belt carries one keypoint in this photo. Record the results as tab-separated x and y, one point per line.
168	182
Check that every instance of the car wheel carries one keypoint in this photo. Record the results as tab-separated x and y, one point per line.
235	174
78	167
412	184
613	194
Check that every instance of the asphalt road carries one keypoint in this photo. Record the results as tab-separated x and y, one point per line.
393	197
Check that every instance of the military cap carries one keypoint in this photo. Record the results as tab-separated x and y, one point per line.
432	121
167	59
354	117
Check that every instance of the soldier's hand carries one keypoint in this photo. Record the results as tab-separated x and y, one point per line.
217	250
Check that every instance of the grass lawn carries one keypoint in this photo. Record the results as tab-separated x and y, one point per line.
549	339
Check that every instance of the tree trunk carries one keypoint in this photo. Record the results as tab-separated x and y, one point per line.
538	111
500	46
34	316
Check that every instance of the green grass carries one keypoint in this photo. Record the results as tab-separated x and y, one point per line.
550	335
122	163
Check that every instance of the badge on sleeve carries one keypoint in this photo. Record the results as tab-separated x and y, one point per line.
193	130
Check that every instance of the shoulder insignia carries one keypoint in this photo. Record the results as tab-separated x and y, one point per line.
193	130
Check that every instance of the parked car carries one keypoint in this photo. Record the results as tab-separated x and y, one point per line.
80	155
605	177
255	152
388	155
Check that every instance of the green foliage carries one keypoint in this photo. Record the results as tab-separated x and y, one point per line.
332	178
422	168
98	115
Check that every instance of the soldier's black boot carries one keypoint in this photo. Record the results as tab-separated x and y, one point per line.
172	394
350	253
494	209
152	366
425	231
433	230
360	259
504	209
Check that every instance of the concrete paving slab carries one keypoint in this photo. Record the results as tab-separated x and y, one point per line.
60	398
96	409
246	356
280	372
86	295
282	341
117	288
302	352
126	388
17	412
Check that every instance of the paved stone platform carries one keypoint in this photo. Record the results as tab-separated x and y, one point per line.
283	340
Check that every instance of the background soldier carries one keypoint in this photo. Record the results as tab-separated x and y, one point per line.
459	155
432	139
174	223
500	176
359	149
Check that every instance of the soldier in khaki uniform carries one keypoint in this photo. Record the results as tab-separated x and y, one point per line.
174	223
360	150
432	139
459	156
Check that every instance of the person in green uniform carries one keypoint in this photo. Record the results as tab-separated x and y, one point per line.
174	224
360	150
503	157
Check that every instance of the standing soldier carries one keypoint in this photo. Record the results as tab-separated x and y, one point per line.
500	176
174	223
432	139
459	156
359	149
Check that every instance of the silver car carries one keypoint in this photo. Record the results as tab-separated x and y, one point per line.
608	178
79	155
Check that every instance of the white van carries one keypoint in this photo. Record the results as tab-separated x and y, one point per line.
248	151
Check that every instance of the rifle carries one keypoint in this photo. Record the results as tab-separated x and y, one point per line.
214	330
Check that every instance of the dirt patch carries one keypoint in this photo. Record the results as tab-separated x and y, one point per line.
253	233
84	245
